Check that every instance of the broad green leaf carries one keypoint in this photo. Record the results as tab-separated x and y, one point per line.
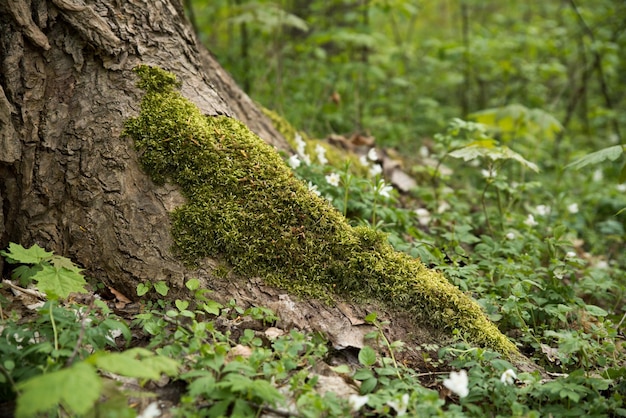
143	288
64	262
596	310
367	356
212	307
368	385
161	288
370	318
342	369
136	362
610	153
487	149
77	388
181	304
18	254
193	284
59	282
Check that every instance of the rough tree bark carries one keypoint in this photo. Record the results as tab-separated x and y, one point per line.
71	182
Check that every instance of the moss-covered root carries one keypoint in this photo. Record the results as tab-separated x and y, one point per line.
245	205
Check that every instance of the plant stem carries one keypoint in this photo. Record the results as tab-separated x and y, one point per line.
54	327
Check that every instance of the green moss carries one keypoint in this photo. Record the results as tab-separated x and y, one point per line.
245	205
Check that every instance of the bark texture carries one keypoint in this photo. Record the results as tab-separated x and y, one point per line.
68	180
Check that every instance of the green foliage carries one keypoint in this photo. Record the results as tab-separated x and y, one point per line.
55	275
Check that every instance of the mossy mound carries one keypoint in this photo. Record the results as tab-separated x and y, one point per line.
246	206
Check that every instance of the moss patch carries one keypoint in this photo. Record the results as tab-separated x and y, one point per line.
245	205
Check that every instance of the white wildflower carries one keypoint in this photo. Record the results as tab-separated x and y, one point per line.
489	174
372	154
321	154
510	235
542	210
573	208
423	216
602	264
300	144
313	188
375	170
598	175
306	159
457	383
400	407
424	152
151	411
384	189
443	206
621	187
570	254
294	161
530	221
508	377
559	273
357	402
363	160
333	179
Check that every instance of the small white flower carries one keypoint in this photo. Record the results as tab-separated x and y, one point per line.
375	170
151	411
602	264
356	402
113	334
489	174
400	407
299	141
621	187
573	208
530	221
542	210
559	273
385	190
333	179
306	159
321	154
598	175
313	188
510	235
363	160
508	377
443	206
457	383
372	154
294	161
424	151
570	254
423	216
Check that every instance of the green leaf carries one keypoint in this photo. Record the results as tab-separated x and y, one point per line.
161	288
193	284
212	307
342	369
64	262
143	288
19	254
368	385
77	388
488	149
610	153
370	318
136	362
367	356
181	304
596	310
59	282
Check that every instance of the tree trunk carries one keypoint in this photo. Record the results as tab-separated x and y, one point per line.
69	181
72	182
